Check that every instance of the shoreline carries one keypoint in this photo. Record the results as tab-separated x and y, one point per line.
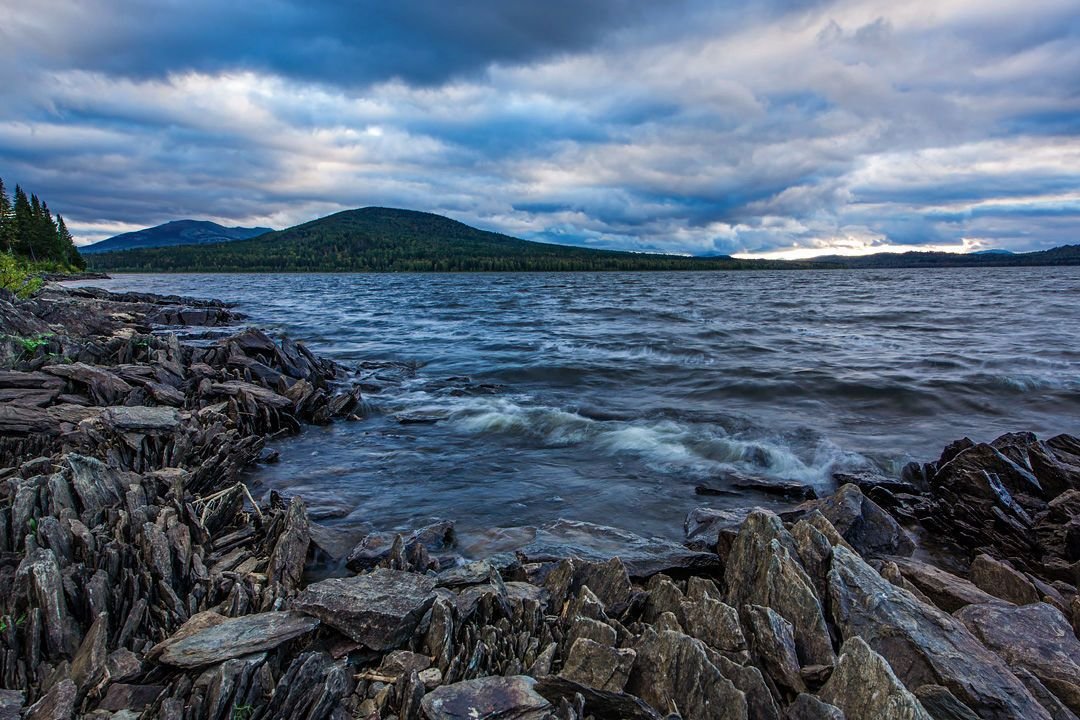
144	578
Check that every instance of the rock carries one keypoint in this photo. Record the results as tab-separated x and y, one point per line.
130	697
610	581
712	529
123	665
96	485
380	609
673	670
598	666
714	623
232	638
600	704
947	591
808	707
923	644
287	559
141	419
1050	701
11	704
1001	580
861	522
763	569
57	704
864	687
642	556
104	387
1035	637
42	574
376	547
403	662
942	704
772	645
487	698
89	664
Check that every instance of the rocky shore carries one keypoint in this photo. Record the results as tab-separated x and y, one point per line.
139	578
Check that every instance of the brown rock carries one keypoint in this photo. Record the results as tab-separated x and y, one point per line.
487	698
598	666
864	687
1002	581
772	645
947	591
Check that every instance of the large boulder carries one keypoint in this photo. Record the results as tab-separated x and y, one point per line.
487	698
1035	637
861	521
380	609
598	666
923	645
1003	581
763	569
947	591
673	673
865	687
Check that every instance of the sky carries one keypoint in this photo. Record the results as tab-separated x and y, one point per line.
781	128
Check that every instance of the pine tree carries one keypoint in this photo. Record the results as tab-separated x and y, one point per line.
71	254
23	224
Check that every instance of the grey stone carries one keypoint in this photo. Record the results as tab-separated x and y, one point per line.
598	666
487	698
57	704
942	704
772	645
380	609
865	687
232	638
864	524
808	707
923	644
1035	637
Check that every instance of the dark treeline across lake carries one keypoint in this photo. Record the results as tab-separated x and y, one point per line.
609	397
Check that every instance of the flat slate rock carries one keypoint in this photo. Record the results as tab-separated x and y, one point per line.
141	418
234	637
487	698
380	609
11	704
564	539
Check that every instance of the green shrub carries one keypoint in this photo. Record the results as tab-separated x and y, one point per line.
17	277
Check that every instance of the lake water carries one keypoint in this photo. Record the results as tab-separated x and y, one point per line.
508	399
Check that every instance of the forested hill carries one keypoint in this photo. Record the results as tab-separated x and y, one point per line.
1064	255
388	240
177	232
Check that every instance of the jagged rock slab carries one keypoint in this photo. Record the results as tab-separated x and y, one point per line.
600	704
598	666
865	687
1002	580
642	556
1035	637
11	704
233	638
808	707
380	609
923	644
947	591
487	698
861	521
141	419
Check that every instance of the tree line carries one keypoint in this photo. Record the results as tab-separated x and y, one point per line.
30	233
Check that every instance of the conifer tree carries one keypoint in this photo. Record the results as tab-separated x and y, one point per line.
24	224
6	220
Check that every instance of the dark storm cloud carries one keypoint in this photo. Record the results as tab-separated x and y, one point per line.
686	126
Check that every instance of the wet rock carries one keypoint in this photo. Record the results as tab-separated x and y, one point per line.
864	687
1001	580
808	707
713	530
772	644
487	698
763	569
286	565
377	547
57	704
947	591
861	522
598	666
673	670
232	638
1036	637
380	609
600	704
923	644
642	556
942	704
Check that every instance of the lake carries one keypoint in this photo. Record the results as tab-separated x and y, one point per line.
507	399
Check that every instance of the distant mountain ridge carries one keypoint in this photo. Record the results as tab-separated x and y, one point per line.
177	232
377	239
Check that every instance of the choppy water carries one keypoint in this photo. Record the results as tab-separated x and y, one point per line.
608	397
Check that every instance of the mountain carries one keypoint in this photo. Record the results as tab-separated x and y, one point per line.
376	239
1064	255
177	232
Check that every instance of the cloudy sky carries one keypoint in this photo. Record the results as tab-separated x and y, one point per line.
794	127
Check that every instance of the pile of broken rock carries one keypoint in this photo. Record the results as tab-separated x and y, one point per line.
138	580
